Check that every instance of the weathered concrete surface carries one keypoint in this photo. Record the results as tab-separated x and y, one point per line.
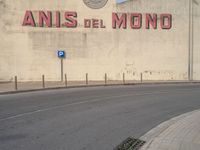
160	54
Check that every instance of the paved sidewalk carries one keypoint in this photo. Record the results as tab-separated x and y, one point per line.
22	86
9	87
180	133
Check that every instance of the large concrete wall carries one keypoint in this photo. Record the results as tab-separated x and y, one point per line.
29	52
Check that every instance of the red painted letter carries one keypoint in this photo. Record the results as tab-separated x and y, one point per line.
116	21
95	23
151	20
28	19
133	18
45	18
101	24
166	21
57	19
71	22
87	23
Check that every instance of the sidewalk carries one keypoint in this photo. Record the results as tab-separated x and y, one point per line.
9	87
180	133
26	86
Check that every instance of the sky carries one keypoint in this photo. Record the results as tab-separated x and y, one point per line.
120	1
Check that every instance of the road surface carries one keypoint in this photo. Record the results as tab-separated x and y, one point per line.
96	118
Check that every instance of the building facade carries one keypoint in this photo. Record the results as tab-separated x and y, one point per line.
158	38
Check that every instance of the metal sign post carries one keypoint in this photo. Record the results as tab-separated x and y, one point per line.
61	65
61	55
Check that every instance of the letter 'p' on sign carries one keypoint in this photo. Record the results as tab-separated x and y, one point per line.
61	54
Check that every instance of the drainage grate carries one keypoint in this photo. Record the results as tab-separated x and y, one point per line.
130	144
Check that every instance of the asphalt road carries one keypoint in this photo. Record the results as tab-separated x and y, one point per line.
97	118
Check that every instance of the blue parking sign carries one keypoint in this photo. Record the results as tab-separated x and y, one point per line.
61	54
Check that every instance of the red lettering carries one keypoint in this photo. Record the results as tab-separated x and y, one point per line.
118	22
101	24
151	20
45	18
136	17
71	22
57	19
95	23
29	19
166	21
87	23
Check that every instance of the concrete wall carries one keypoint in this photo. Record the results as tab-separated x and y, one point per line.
160	54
